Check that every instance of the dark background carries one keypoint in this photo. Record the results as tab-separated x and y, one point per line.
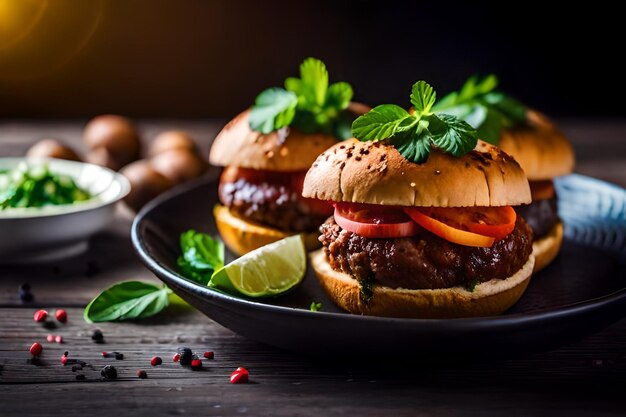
202	58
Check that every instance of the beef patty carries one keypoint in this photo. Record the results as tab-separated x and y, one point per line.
424	261
275	205
541	215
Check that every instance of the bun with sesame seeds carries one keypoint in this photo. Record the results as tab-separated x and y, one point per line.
376	173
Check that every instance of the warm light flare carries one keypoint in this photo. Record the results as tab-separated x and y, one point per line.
18	18
38	37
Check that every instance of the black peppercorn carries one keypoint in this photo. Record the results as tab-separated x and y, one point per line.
97	336
80	377
186	356
109	372
119	356
25	294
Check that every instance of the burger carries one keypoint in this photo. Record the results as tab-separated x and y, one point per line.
543	153
430	235
266	151
533	140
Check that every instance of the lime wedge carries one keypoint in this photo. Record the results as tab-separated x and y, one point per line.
265	272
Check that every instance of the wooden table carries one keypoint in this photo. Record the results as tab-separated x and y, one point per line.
586	378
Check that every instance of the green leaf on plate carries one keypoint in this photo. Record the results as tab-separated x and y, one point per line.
127	300
201	256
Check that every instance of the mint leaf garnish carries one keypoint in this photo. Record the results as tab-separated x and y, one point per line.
422	97
481	106
308	103
449	133
380	123
274	109
414	134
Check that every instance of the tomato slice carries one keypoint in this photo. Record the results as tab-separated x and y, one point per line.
495	222
374	221
448	232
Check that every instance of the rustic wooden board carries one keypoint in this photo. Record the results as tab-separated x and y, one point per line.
585	378
287	384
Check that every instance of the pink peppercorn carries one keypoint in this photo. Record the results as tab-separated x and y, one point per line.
209	355
40	315
156	361
176	357
196	364
35	349
239	376
50	338
61	315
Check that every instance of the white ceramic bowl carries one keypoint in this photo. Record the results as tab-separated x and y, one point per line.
43	233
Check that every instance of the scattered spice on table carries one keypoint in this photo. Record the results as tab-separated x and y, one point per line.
61	315
40	315
109	372
97	336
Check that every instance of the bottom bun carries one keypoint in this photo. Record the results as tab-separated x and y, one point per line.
242	236
487	299
546	248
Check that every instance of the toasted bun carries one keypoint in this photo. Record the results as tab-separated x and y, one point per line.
242	236
540	148
376	173
546	248
487	299
283	150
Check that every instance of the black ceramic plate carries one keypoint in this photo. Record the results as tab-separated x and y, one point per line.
582	291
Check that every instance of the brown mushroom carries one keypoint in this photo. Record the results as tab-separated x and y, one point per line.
145	182
116	135
172	139
178	165
51	148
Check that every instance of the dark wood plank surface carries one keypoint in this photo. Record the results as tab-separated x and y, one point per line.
584	378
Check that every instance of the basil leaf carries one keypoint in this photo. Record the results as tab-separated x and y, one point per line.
339	95
379	123
274	108
201	256
422	97
127	300
451	134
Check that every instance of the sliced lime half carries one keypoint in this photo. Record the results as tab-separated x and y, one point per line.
265	272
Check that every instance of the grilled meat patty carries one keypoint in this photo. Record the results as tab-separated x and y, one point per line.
275	205
424	261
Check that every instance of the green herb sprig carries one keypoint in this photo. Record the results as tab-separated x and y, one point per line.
315	306
28	186
308	103
480	105
413	134
201	255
